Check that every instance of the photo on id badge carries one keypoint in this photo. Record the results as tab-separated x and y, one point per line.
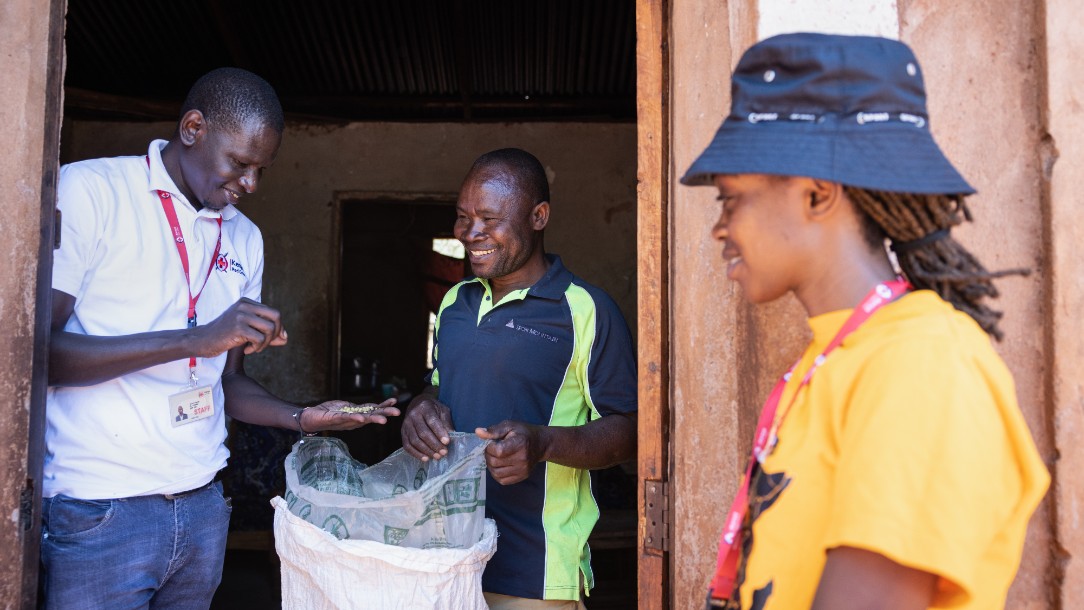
190	405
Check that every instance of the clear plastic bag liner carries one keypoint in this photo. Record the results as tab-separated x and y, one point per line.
400	501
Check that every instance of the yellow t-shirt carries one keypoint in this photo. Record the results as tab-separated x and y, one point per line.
908	442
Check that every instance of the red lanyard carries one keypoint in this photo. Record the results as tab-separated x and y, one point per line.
726	569
182	251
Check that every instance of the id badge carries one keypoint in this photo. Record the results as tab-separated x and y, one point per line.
190	405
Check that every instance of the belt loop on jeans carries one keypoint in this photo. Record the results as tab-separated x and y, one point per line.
181	494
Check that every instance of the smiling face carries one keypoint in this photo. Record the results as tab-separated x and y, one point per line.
218	166
501	231
762	227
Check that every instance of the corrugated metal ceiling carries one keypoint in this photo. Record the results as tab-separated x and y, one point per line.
361	60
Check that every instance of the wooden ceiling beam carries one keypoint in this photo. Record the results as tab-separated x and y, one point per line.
83	103
78	101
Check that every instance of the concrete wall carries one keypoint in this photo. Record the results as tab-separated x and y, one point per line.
592	169
1061	157
985	83
24	105
985	106
714	334
986	77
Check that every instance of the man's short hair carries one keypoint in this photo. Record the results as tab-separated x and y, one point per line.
231	97
526	172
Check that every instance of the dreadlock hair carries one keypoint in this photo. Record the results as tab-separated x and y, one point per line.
917	226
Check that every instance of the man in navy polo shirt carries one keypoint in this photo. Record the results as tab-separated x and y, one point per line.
535	359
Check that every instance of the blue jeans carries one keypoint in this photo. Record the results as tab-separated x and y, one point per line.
150	552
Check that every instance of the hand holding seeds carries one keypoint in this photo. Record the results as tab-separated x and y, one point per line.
343	415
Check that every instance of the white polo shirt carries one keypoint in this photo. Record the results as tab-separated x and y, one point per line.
118	259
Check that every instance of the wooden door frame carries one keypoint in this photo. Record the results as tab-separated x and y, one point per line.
653	320
47	239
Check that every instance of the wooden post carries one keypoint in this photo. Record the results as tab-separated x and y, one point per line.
653	162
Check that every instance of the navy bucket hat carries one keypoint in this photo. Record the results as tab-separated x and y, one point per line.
850	109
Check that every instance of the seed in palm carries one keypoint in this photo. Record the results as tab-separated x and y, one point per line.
365	408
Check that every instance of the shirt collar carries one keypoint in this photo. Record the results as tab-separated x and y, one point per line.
158	180
550	286
554	284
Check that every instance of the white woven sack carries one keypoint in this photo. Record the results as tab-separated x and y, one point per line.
321	572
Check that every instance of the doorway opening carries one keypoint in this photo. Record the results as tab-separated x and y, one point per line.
397	259
549	75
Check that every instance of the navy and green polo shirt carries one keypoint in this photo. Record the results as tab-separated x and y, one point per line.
560	354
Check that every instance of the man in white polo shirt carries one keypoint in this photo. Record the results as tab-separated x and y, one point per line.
156	290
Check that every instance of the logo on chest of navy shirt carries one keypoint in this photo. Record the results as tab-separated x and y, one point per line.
226	264
531	331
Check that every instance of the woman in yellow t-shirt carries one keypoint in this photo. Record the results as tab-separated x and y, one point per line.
892	467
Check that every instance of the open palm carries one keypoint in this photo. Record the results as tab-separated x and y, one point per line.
330	415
